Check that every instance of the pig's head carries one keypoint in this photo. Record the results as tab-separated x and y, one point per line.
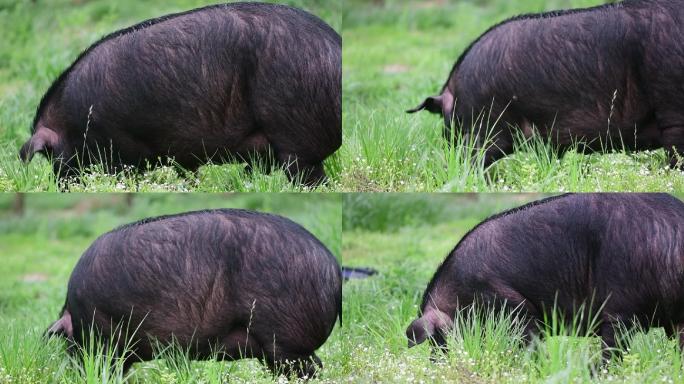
442	104
433	325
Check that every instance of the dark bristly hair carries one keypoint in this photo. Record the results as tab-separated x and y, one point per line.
528	16
452	253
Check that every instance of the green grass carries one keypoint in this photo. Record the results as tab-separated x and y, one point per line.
42	38
407	251
40	249
396	53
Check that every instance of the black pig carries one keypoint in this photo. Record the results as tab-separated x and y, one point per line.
239	81
242	283
605	76
623	251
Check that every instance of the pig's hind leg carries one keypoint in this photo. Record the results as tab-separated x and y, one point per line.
676	331
672	137
259	153
669	113
297	168
261	163
299	149
295	364
290	357
664	90
608	331
239	344
256	151
608	341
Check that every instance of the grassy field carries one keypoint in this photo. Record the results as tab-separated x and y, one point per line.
40	249
42	38
405	237
396	53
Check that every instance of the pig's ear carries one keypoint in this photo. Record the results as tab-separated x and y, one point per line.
62	327
43	139
419	331
447	107
442	104
432	104
427	325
